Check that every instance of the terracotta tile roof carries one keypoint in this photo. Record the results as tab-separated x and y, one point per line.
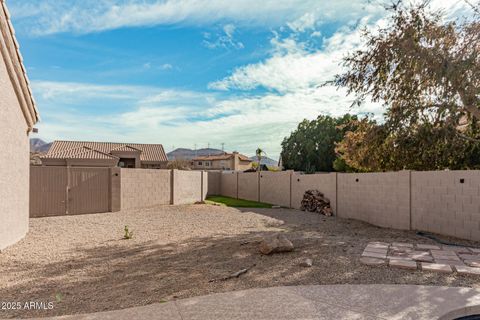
225	156
79	153
126	148
150	152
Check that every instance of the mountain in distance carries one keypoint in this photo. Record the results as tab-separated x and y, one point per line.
189	154
266	161
38	145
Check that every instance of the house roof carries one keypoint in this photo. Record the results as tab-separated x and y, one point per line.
79	153
10	50
149	152
224	156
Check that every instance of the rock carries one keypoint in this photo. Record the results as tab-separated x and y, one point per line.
275	244
307	263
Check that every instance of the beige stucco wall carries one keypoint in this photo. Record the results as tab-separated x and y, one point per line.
248	186
323	182
442	204
228	184
213	183
382	199
275	187
143	188
14	171
187	186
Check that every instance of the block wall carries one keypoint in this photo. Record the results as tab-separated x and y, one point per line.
382	199
143	188
228	184
187	186
323	182
248	186
214	183
275	187
447	202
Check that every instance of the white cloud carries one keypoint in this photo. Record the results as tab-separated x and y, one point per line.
224	40
84	16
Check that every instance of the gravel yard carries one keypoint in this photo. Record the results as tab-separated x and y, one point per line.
82	264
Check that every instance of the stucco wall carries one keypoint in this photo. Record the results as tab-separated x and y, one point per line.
275	187
143	188
441	203
14	171
187	186
228	184
248	186
323	182
213	183
382	199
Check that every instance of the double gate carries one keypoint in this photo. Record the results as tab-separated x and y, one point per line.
69	190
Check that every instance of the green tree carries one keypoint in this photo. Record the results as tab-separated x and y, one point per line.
311	147
426	72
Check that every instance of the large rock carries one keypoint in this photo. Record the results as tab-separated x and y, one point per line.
275	244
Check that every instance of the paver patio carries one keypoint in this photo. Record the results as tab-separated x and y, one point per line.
427	257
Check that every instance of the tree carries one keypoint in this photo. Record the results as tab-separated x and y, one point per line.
259	153
426	72
311	147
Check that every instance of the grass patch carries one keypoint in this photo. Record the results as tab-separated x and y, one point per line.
239	203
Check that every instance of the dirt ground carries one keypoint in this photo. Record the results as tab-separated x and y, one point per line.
82	264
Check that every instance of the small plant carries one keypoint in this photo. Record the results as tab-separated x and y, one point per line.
128	234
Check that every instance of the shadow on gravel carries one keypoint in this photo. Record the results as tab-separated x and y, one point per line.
122	273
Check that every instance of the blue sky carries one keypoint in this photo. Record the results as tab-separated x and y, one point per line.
189	72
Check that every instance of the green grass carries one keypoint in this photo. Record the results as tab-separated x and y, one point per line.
239	203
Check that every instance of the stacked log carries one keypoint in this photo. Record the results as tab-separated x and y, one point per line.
315	201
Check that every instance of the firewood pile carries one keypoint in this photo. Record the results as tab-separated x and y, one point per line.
315	201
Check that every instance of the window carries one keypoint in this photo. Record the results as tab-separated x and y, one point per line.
200	163
207	164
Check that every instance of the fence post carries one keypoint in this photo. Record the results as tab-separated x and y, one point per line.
201	185
258	189
237	183
410	198
290	191
172	186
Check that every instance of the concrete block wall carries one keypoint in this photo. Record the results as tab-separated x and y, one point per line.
447	202
143	188
382	199
188	186
248	186
323	182
115	189
229	184
275	187
214	178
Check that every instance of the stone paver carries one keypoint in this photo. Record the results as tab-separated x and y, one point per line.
402	244
403	264
437	258
467	270
374	255
405	302
436	267
427	247
372	261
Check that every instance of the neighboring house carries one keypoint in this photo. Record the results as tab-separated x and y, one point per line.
226	161
18	115
105	154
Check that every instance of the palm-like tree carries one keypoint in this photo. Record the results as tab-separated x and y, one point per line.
259	153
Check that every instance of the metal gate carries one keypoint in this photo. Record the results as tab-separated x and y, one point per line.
61	190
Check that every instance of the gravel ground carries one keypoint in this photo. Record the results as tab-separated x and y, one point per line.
82	264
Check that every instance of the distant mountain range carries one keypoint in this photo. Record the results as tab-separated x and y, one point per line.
189	154
266	161
38	145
